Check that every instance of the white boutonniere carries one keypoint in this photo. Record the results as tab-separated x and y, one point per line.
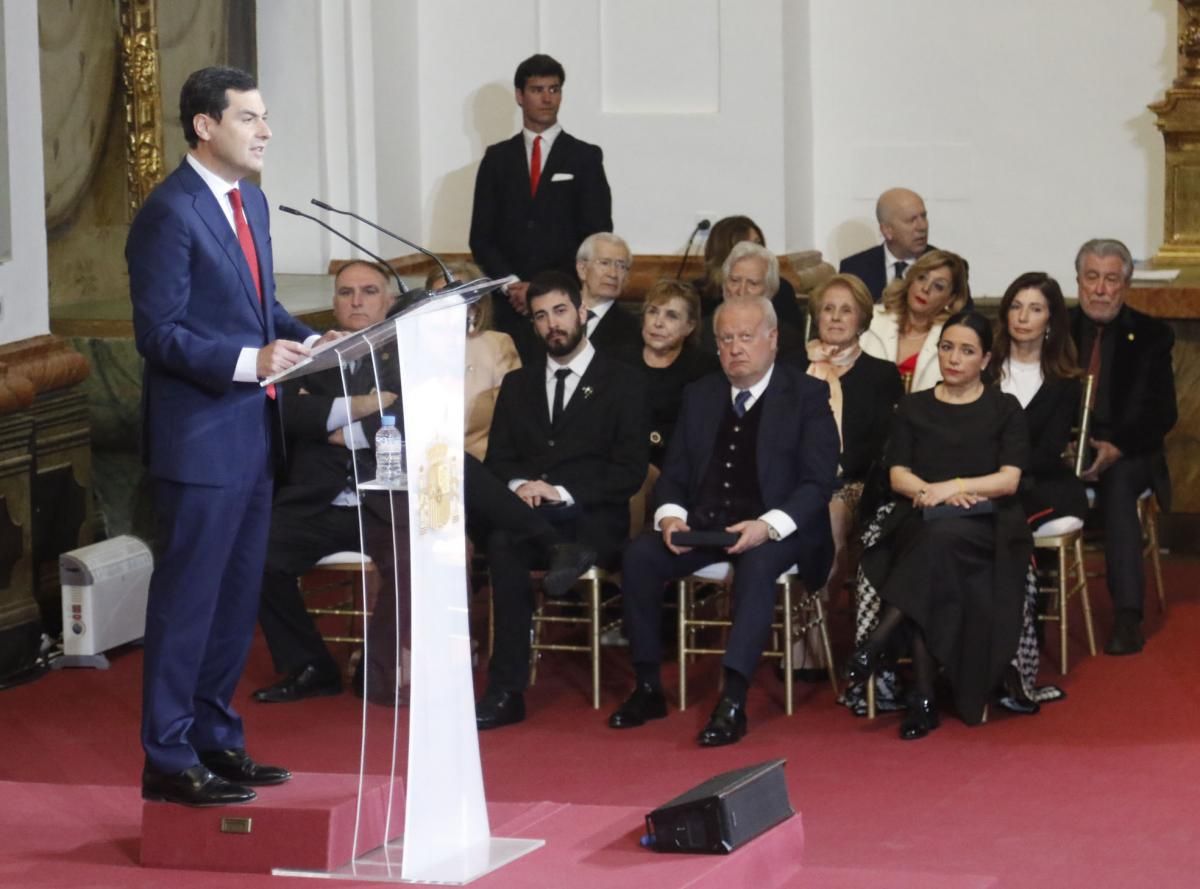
587	391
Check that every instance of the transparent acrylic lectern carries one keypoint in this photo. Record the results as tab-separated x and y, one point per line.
447	838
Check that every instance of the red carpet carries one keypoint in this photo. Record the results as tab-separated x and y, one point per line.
1096	790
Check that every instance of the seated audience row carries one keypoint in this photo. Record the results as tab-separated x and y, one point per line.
968	472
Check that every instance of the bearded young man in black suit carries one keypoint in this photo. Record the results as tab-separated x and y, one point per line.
1134	409
537	196
754	454
569	438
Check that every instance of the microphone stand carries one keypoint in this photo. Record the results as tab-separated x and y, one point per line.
441	265
702	226
379	259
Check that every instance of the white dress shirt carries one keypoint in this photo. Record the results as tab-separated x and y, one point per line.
548	137
889	265
777	519
599	310
246	369
1021	380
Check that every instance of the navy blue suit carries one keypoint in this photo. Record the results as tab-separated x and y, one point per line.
208	443
796	458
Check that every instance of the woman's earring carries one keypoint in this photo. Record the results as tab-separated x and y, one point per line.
1047	334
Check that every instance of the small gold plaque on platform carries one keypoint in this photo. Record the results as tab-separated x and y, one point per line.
236	825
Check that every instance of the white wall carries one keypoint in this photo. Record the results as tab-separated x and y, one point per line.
24	291
1023	123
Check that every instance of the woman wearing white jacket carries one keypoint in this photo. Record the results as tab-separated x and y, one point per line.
906	326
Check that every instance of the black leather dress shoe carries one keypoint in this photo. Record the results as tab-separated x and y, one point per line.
499	708
567	562
196	786
726	725
236	765
1126	635
864	662
308	682
922	718
646	702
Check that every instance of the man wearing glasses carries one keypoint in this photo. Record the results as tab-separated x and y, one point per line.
603	263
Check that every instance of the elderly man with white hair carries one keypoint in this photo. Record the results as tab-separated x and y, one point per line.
602	263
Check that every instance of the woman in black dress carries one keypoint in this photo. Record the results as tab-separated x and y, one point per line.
668	356
1035	361
948	558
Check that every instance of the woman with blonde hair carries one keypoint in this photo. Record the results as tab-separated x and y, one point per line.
907	325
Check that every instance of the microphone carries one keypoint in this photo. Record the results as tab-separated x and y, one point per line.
441	265
702	226
379	259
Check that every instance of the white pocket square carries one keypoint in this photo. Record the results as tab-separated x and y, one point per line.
562	177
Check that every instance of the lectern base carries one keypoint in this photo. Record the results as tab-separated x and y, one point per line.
383	865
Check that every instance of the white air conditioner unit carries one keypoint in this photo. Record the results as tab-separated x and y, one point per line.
104	590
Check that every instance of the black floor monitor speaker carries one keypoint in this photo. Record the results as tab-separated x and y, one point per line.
726	811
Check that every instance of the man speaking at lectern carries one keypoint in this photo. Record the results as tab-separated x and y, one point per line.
208	326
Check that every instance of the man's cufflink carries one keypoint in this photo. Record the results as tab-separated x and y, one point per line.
771	532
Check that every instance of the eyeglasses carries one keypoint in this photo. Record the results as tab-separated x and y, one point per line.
610	264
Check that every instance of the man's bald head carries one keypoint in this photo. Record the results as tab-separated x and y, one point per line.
903	222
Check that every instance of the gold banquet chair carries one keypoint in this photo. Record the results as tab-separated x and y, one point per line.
335	588
797	611
590	612
1064	536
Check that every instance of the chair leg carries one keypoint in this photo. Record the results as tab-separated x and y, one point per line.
594	586
684	608
534	654
820	609
787	647
1155	556
1062	609
1083	595
871	696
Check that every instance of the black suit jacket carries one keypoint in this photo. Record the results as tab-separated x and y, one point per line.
317	470
618	332
797	457
597	451
514	233
1141	389
1050	482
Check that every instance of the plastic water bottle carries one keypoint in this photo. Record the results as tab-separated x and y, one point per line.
389	454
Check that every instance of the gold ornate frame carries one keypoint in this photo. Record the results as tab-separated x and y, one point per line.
142	94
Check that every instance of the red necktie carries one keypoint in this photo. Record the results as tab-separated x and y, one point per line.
247	241
535	166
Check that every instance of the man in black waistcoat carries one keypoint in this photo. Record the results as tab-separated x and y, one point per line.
755	454
1130	355
569	438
